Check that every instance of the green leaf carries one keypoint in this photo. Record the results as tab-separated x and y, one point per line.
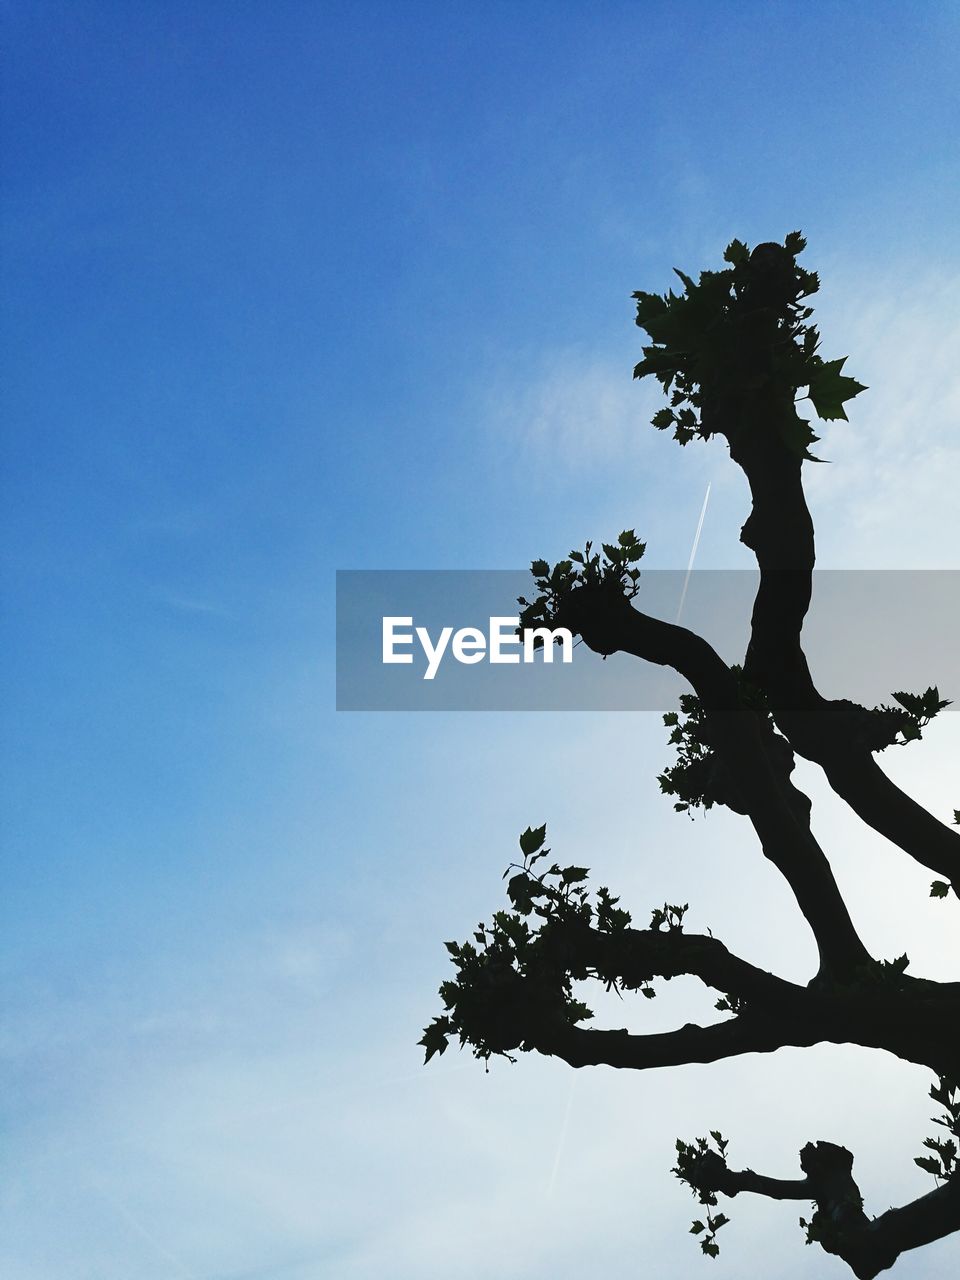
795	243
929	1165
939	889
518	891
797	434
830	390
434	1038
573	875
532	839
697	1227
736	252
649	305
539	568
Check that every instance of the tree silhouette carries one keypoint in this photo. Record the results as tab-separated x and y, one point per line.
734	351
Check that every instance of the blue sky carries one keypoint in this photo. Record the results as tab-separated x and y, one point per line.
301	287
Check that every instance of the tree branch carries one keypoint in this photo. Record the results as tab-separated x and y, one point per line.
609	624
908	1024
691	1043
779	531
839	1224
633	956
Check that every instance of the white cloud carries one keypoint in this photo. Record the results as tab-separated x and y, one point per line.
889	497
576	410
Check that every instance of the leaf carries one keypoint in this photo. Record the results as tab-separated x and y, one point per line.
922	705
518	891
736	252
795	243
434	1038
929	1165
797	434
697	1227
573	875
829	390
532	839
649	305
539	568
939	889
655	361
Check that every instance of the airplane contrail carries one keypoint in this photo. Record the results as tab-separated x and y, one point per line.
134	1222
561	1138
693	550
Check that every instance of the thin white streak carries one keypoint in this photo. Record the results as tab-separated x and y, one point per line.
561	1138
693	550
142	1231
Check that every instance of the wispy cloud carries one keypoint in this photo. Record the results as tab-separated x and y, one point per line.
192	605
574	411
888	499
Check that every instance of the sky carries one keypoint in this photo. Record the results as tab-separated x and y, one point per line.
303	287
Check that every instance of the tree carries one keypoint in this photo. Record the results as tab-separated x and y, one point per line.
733	352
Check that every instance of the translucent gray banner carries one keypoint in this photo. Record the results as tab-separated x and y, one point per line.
442	640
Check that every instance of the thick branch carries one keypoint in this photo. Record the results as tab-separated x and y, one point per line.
780	532
858	779
691	1043
906	1024
633	956
609	624
929	1218
903	1015
839	1225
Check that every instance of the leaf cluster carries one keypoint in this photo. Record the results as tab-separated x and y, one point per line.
692	1160
943	1164
692	778
916	710
736	344
613	569
517	974
698	778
